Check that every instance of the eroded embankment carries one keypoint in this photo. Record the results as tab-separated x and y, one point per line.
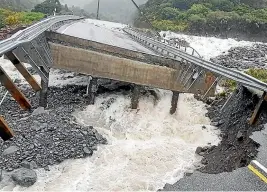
236	148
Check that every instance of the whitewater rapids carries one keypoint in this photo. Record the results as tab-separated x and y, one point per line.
147	148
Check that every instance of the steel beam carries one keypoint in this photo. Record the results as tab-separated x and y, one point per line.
13	90
24	72
5	132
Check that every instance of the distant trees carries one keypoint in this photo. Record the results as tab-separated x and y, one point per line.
18	5
49	6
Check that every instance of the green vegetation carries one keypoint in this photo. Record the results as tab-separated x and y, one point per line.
260	74
48	7
205	16
13	18
230	84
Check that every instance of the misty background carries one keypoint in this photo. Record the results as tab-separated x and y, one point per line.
122	11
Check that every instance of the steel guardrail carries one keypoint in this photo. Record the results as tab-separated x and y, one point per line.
32	32
213	67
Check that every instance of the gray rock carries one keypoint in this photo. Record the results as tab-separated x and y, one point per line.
24	177
84	132
10	150
39	110
215	124
28	165
204	161
87	151
221	122
198	150
240	136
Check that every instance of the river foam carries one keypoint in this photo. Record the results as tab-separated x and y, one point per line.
146	148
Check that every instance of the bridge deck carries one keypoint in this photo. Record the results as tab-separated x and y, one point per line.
104	32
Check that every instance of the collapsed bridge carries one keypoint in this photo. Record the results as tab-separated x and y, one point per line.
171	66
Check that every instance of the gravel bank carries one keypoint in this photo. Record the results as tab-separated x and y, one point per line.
47	137
244	57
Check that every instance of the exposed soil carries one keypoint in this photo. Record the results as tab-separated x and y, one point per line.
236	148
7	32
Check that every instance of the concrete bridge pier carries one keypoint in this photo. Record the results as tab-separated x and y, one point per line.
174	102
92	90
135	96
44	90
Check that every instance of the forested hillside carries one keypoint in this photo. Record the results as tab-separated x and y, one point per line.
223	17
19	5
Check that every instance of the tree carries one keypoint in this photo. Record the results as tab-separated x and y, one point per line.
183	4
223	5
66	7
48	7
242	9
169	13
198	9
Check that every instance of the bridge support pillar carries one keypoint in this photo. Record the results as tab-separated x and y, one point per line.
44	90
174	102
135	96
92	90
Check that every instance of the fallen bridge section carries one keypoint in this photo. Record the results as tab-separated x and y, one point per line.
106	61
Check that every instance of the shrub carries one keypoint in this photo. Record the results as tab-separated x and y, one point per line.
29	17
260	74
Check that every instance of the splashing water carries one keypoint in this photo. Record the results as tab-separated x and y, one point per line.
209	47
147	147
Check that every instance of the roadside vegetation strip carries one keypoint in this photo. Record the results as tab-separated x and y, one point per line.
260	74
259	170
